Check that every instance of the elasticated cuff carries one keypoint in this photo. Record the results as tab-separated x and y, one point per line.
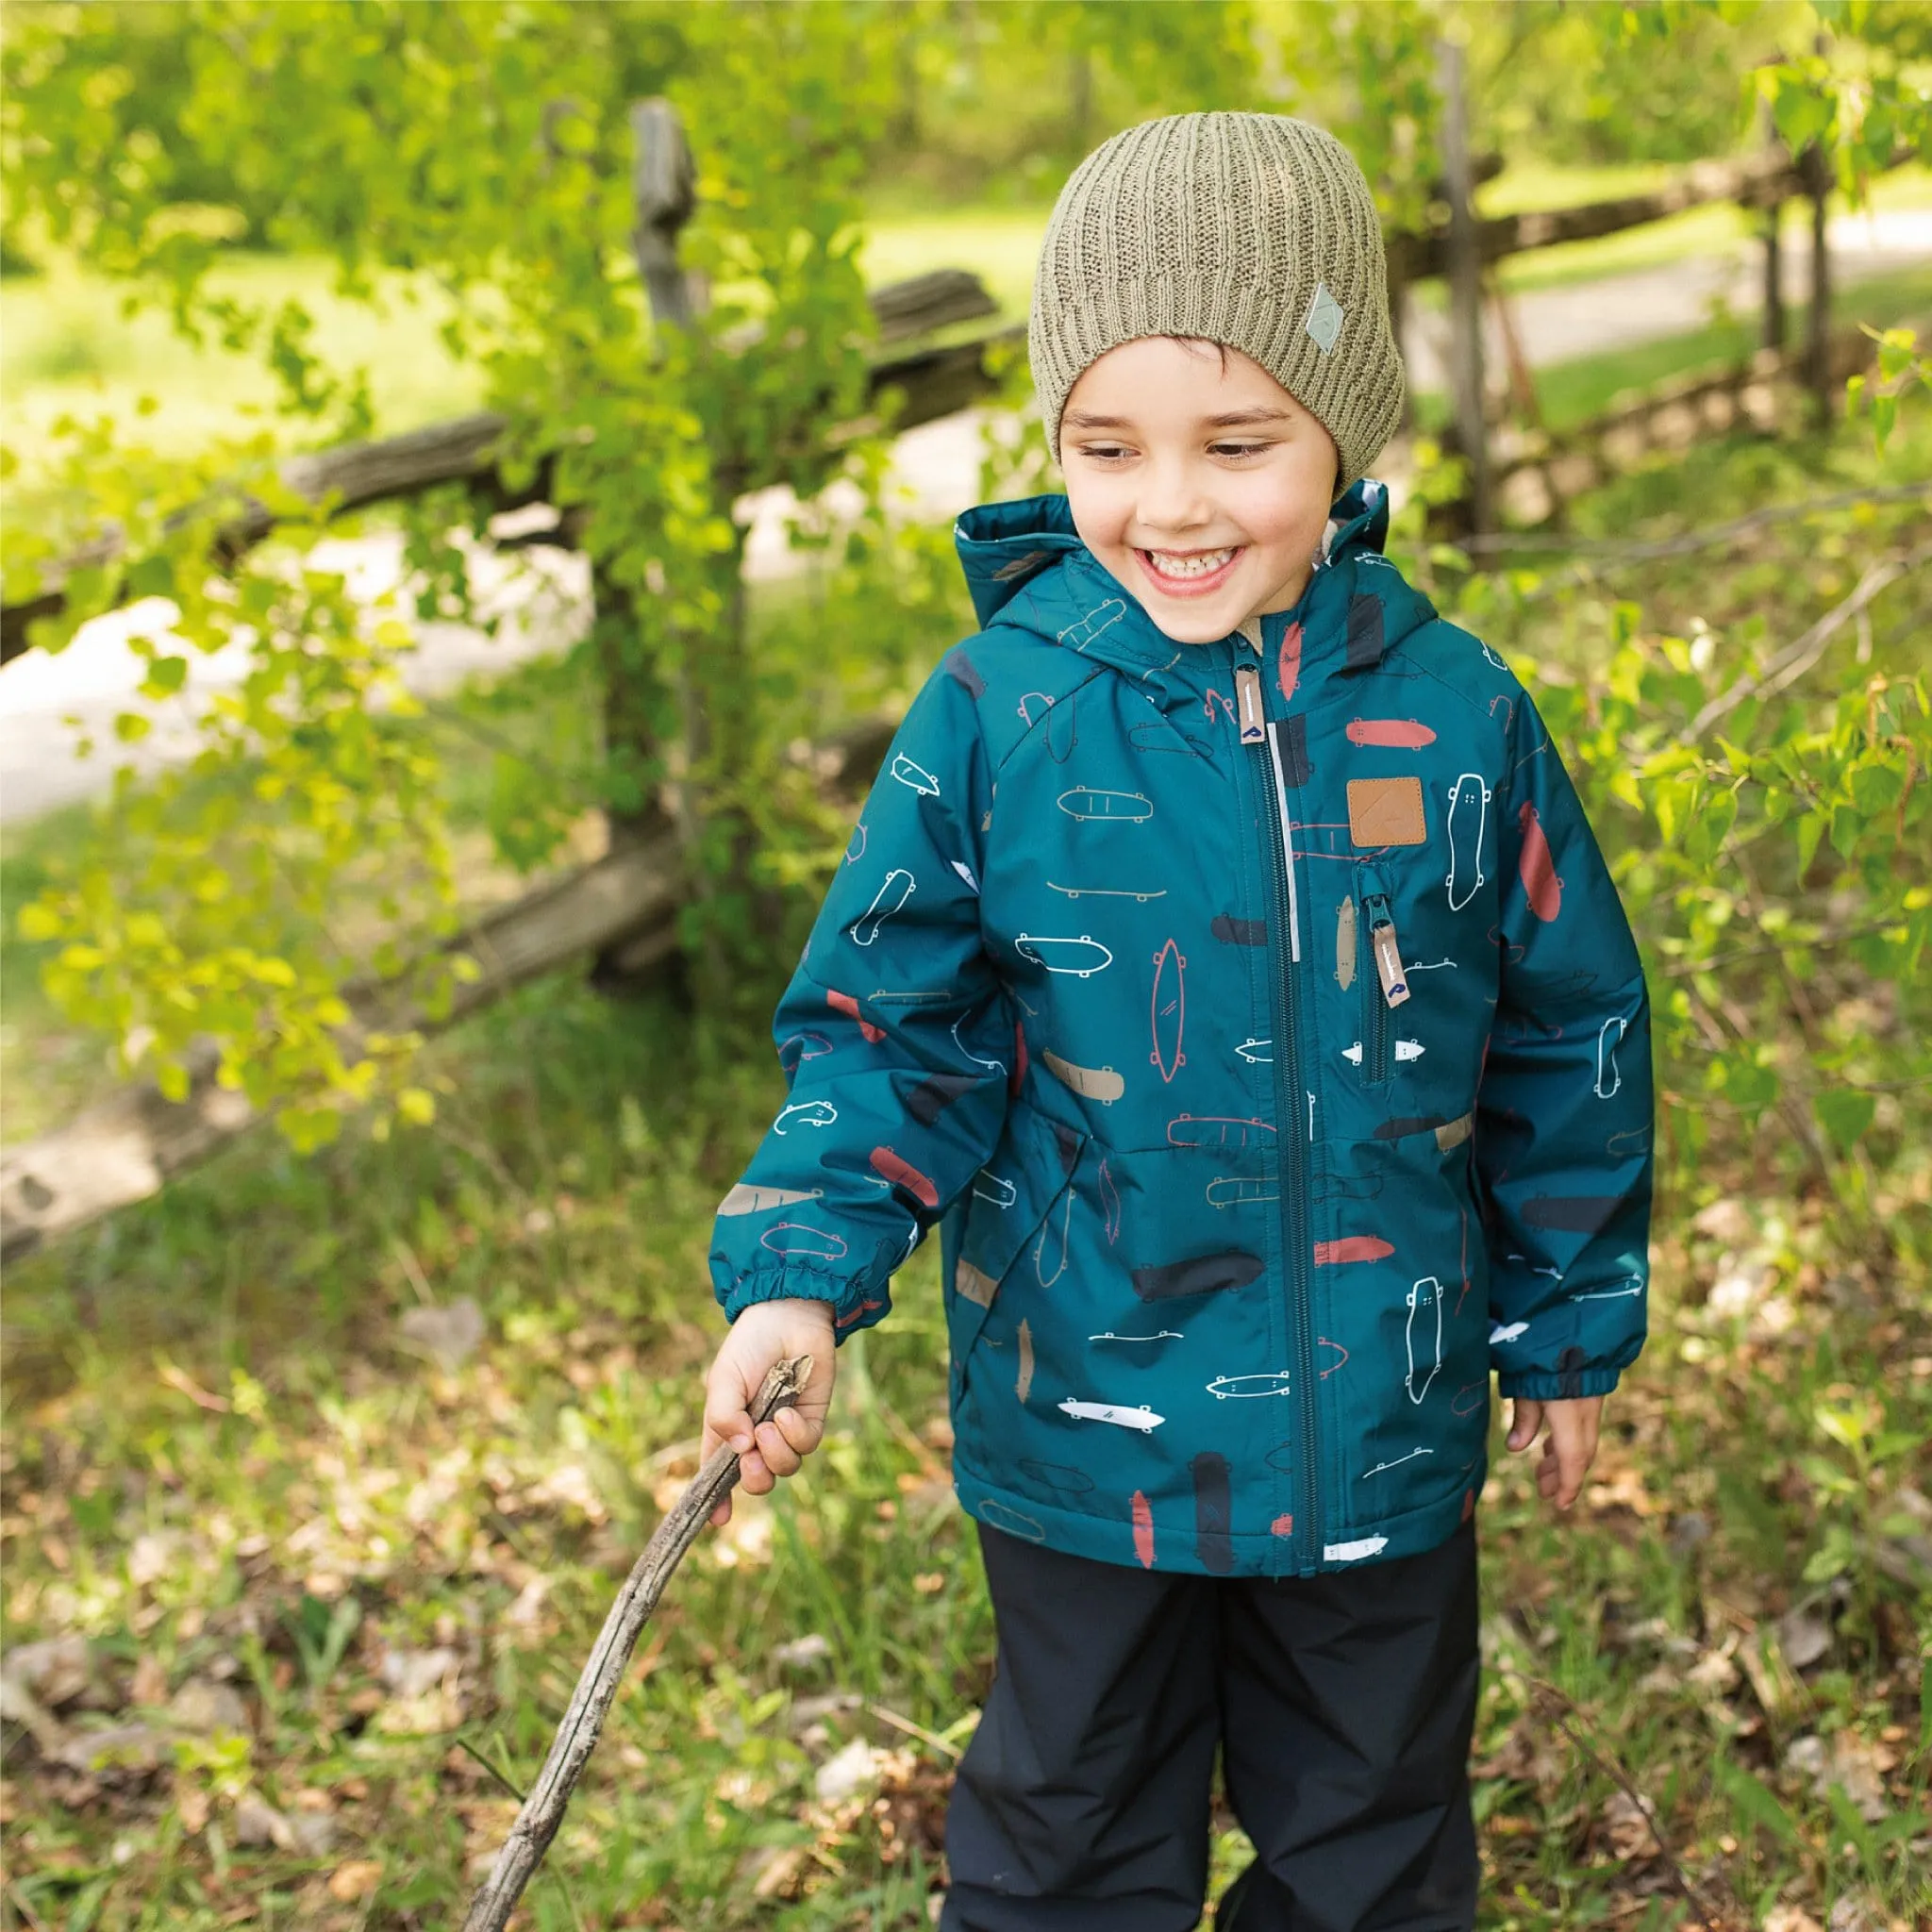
1546	1387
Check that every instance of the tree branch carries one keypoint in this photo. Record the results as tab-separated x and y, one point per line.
597	1686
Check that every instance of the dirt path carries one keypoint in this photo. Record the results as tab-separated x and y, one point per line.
96	676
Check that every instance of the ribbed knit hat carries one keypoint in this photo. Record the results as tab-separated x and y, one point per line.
1255	230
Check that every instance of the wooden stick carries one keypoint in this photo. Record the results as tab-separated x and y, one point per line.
576	1736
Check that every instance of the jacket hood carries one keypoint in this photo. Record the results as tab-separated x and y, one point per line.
1025	564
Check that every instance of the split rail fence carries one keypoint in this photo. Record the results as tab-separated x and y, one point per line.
624	907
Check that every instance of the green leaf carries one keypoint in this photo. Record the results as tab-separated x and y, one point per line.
1877	788
1810	829
1847	828
151	576
1844	1114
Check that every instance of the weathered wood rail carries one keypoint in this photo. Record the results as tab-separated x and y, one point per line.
623	909
1537	471
937	381
133	1143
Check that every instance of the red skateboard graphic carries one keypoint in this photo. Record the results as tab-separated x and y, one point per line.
903	1174
1352	1247
1290	671
1538	869
844	1003
1394	734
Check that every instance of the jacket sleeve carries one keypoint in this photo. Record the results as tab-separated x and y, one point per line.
895	1035
1564	1126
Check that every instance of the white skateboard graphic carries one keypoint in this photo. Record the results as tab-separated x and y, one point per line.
1273	1382
1355	1552
1396	1463
1060	954
1089	802
889	897
977	1059
1404	1050
1469	815
1424	1312
1630	1285
915	776
1142	1417
1606	1058
1507	1331
813	1113
1108	892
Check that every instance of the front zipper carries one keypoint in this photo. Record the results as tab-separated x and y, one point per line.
1376	915
1293	1130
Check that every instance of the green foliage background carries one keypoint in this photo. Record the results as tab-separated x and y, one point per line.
1772	858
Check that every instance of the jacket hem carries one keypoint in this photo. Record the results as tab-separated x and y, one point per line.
1241	1553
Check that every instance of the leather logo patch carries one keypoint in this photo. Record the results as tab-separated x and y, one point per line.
1386	812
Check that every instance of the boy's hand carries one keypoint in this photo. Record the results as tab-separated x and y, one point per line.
764	1334
1570	1448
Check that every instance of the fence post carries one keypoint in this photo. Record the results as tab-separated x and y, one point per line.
1817	173
1465	290
1774	332
664	196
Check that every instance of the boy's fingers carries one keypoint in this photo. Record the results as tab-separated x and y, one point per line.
781	1458
1575	1450
1525	1417
798	1429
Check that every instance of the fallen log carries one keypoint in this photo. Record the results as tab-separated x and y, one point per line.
935	382
131	1144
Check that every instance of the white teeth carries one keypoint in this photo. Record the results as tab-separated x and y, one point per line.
1204	565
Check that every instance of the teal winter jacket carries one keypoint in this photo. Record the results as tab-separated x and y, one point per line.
1258	1025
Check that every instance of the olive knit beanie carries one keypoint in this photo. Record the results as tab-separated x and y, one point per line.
1255	230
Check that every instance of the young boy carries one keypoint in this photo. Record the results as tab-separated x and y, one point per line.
1223	964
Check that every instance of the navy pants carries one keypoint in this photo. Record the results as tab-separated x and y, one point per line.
1343	1705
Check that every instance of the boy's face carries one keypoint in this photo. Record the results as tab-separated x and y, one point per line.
1168	458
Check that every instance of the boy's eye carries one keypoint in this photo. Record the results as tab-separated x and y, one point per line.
1112	453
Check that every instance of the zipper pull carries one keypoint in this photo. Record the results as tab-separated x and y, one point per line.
1386	948
1247	691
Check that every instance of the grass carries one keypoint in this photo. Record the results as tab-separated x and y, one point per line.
229	1468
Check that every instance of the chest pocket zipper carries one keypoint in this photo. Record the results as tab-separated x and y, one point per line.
1384	978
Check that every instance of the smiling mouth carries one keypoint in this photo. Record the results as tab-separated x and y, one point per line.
1188	567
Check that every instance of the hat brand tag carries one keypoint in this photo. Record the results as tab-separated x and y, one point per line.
1325	319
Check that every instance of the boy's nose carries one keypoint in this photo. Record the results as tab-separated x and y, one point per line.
1173	512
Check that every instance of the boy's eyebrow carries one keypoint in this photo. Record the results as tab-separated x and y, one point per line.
1231	419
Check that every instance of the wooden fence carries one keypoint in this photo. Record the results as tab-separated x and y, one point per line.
942	381
623	907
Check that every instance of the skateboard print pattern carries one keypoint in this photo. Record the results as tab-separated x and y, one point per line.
1126	937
